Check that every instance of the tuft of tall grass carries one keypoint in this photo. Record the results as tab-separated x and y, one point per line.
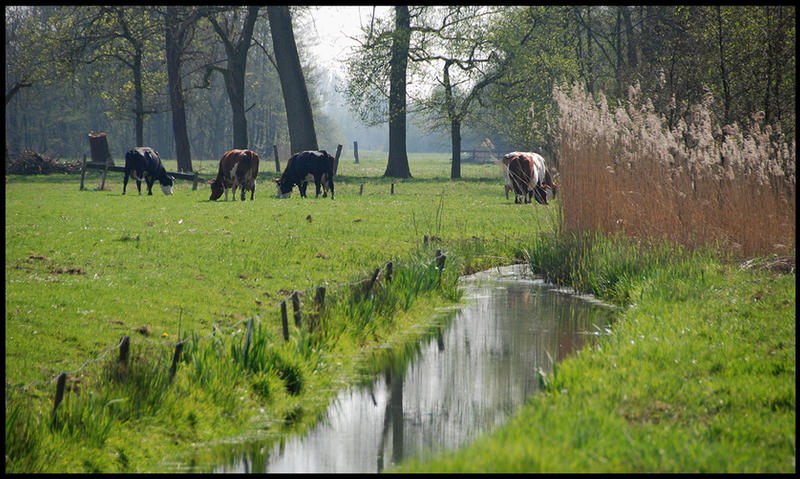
696	182
609	266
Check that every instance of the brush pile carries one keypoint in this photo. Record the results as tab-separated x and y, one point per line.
30	162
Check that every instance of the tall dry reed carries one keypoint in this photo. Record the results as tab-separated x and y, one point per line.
625	170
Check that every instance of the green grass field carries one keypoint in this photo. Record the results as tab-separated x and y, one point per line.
84	268
698	375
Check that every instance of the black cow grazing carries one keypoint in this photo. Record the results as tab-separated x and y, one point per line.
144	162
237	168
304	167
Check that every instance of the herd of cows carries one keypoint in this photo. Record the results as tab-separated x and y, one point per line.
524	172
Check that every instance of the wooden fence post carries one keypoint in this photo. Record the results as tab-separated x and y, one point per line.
105	172
277	161
321	297
355	150
62	379
440	258
389	270
284	321
392	192
336	159
248	339
196	179
83	170
296	305
175	357
372	280
124	349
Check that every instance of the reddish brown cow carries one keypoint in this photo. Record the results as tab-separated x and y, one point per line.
237	168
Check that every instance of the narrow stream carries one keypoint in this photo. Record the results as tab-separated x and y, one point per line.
469	379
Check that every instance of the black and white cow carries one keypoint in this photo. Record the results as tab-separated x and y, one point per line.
304	167
144	162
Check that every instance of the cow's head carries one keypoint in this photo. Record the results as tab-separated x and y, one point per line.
216	189
167	182
284	188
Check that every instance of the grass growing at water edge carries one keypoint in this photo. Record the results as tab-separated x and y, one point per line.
698	375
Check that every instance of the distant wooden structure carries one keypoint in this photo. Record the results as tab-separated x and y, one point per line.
100	156
484	153
98	146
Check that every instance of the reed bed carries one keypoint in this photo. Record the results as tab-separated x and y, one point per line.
695	183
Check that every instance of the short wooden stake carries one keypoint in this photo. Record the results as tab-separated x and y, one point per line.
296	306
389	270
440	261
372	280
361	190
277	161
62	380
248	339
83	170
284	321
124	349
355	150
196	180
321	297
392	188
175	357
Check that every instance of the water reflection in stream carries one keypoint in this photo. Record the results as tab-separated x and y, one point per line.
470	378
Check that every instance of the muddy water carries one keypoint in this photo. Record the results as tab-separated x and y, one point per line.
469	379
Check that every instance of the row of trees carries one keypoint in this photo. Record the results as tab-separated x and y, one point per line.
494	68
136	60
451	68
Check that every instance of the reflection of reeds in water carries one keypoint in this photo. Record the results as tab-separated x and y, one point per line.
693	183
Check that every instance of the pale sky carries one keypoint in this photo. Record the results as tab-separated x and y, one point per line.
333	25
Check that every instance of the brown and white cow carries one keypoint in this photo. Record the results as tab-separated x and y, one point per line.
237	168
526	173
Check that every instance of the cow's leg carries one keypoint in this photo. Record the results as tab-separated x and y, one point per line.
235	185
325	185
302	187
125	181
330	183
226	193
317	186
138	177
149	180
252	190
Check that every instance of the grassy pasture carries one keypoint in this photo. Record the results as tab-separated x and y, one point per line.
84	268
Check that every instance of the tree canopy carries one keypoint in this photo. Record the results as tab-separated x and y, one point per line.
487	71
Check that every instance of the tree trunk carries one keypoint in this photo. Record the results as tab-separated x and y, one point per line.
234	74
234	85
397	166
455	138
174	35
299	116
139	99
